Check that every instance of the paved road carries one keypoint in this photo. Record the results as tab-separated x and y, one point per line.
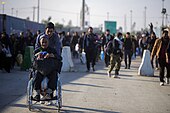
92	92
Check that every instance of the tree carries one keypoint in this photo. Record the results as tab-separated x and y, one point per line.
28	18
69	23
46	21
58	25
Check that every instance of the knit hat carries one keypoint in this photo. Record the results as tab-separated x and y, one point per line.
43	36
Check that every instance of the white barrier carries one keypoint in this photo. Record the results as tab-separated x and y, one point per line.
67	60
145	67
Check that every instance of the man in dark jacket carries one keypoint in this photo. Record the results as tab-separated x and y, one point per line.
54	41
128	50
89	47
162	51
107	37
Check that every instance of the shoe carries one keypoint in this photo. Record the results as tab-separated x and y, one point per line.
49	103
116	76
129	67
51	95
42	102
93	68
116	73
37	97
167	80
157	68
109	74
125	67
161	83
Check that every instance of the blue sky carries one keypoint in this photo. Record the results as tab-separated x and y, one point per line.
64	10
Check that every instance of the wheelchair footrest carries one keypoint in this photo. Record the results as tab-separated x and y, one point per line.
44	99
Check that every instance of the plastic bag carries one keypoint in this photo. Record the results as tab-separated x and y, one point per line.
7	52
102	55
83	57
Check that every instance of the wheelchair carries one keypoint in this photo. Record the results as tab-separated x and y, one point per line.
57	94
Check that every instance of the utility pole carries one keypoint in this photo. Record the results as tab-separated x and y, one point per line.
38	11
131	20
77	18
108	16
83	14
125	26
16	13
163	13
12	11
166	20
34	13
145	17
3	7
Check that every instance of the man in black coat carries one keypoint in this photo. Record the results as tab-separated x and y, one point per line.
89	47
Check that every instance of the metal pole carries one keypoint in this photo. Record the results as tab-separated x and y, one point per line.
108	16
77	18
166	20
3	7
38	11
16	13
163	13
12	11
83	13
125	26
145	17
34	13
131	20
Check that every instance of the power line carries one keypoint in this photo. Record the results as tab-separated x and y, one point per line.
59	11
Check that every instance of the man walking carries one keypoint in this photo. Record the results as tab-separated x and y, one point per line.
162	51
107	37
89	47
128	50
116	55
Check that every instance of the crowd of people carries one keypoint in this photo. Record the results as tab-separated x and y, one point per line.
116	47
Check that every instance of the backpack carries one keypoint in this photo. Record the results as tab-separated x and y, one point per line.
108	48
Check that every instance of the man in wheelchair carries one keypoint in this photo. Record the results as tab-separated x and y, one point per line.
44	52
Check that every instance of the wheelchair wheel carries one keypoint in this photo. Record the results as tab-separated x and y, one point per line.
29	93
59	95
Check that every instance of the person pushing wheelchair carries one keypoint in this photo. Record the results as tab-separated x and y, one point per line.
53	42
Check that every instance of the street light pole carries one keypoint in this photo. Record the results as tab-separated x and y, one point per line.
163	12
12	11
38	11
3	7
34	13
145	17
166	20
131	20
16	13
83	14
108	16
